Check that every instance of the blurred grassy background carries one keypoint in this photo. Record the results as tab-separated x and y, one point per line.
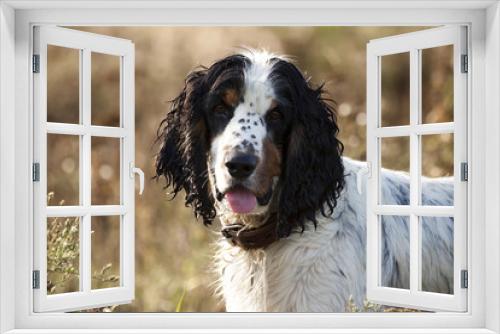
173	251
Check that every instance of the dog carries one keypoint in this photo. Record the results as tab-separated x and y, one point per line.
253	143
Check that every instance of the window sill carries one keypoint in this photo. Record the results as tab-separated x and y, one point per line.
253	331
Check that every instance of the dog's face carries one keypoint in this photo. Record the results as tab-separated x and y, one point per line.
248	136
247	124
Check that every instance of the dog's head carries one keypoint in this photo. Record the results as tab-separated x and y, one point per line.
249	136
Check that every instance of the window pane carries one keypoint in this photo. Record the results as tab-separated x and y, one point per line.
437	169
63	255
437	84
395	155
63	169
105	252
395	95
395	251
63	84
105	170
105	89
437	254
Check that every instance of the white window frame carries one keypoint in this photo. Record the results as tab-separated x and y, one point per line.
86	44
413	44
16	21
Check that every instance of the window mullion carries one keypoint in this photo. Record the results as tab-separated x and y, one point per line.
414	170
85	235
127	111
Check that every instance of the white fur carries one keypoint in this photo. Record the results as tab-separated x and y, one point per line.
318	270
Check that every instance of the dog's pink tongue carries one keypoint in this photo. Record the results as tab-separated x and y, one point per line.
241	200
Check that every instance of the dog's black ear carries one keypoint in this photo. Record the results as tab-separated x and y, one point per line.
182	159
313	174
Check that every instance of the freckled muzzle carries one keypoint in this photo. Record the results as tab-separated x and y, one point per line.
246	177
241	196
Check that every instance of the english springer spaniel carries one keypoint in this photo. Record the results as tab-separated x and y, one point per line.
250	141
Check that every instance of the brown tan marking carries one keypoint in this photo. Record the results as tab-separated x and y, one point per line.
273	105
231	97
268	168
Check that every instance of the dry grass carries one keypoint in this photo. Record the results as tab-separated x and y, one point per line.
369	307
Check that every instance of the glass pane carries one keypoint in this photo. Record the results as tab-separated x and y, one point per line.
395	251
105	89
437	254
63	169
395	156
105	252
63	84
395	95
437	84
105	170
63	255
437	169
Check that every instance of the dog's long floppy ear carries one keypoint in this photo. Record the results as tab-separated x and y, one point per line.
313	175
182	159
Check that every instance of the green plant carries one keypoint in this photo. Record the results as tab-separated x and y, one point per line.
63	257
62	252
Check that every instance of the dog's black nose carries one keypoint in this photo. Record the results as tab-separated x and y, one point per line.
241	165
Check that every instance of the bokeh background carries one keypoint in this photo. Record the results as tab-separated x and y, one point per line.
173	251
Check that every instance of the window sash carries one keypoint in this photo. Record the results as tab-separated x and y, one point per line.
86	43
413	43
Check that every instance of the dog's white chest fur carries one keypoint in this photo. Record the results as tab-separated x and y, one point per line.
319	270
303	273
316	271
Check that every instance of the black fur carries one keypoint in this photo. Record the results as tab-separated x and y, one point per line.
184	135
313	174
182	158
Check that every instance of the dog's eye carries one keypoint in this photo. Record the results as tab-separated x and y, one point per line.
220	108
274	115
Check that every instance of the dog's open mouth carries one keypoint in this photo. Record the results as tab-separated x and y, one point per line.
242	200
